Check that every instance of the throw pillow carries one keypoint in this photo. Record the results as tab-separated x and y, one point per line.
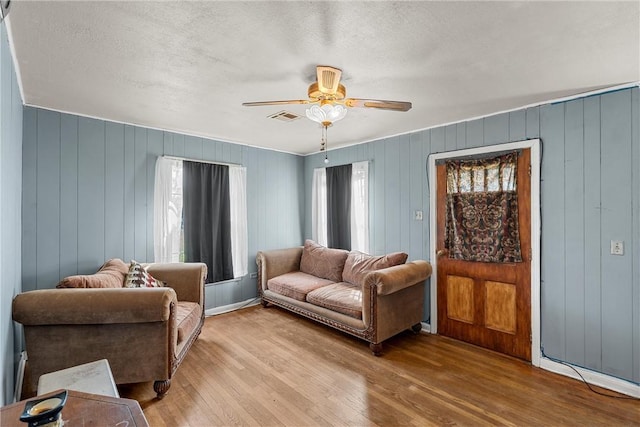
110	275
323	262
139	277
359	264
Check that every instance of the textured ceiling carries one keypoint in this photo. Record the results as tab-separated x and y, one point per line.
188	66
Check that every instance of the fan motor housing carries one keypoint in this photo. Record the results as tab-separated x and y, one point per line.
315	93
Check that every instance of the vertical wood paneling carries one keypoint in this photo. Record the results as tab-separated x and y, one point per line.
574	232
378	224
417	162
517	125
128	193
635	248
29	198
437	140
11	140
91	191
178	145
167	140
533	123
392	217
140	194
496	129
461	136
475	133
48	199
154	150
193	148
406	212
69	195
114	183
617	298
553	233
426	232
592	248
450	138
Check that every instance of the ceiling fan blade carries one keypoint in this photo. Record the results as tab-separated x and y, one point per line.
262	103
378	103
328	79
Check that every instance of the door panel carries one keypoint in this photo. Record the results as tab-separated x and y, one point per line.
487	304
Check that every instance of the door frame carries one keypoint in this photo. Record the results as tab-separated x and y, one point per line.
534	145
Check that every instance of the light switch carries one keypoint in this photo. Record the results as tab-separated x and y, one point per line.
617	247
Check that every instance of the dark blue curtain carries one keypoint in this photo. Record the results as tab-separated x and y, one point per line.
207	218
339	207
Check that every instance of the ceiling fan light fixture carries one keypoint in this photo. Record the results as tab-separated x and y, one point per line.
326	114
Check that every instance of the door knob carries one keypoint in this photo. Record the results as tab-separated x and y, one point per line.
440	253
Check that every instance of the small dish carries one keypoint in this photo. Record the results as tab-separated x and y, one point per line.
45	411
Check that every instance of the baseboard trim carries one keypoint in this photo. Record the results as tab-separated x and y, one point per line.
592	377
426	328
231	307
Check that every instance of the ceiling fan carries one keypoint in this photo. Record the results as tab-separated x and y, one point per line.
327	90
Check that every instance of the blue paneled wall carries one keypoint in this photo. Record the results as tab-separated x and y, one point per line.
88	196
590	195
10	229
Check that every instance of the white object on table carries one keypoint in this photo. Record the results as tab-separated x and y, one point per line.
94	377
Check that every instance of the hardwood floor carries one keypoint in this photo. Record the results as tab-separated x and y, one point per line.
265	366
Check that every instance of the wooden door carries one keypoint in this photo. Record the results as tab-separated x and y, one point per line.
487	304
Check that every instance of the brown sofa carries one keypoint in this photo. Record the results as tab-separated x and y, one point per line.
144	333
353	292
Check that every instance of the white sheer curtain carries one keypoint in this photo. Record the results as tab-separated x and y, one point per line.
239	238
360	207
167	210
319	206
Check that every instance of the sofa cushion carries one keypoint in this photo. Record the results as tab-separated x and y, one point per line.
359	264
345	298
188	316
139	277
110	275
296	285
323	262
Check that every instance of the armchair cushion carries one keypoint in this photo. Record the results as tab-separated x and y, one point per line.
110	275
188	315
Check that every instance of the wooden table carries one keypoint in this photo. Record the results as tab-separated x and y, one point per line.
84	409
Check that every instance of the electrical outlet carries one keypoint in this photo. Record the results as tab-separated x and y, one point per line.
418	215
617	247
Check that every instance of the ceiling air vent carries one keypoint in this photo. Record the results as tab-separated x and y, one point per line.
285	116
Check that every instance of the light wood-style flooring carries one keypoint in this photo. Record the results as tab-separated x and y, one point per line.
265	366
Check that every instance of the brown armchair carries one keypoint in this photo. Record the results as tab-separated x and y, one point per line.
144	333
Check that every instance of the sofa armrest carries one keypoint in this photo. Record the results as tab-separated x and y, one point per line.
93	306
393	279
276	262
186	278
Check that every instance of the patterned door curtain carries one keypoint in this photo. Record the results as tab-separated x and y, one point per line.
482	210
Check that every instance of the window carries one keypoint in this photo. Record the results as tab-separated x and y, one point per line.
482	210
359	207
169	239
